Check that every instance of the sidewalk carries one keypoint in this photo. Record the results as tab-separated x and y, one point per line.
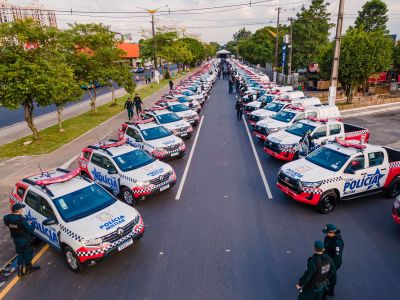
16	168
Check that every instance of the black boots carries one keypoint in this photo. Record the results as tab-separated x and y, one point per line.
21	271
32	268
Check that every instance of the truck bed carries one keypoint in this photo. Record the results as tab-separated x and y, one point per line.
393	154
351	128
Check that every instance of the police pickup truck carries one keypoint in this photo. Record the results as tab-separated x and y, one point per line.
126	170
277	105
77	216
192	104
154	138
181	110
268	98
341	171
169	120
288	116
286	144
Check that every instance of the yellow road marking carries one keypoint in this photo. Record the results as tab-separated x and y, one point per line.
13	282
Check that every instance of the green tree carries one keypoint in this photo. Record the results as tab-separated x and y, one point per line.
241	34
95	57
396	58
373	16
310	33
196	48
33	69
362	54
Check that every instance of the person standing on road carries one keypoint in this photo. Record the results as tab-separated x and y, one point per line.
138	104
21	232
171	84
320	268
239	109
129	108
334	248
230	86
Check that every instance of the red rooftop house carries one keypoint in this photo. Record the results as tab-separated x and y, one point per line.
131	52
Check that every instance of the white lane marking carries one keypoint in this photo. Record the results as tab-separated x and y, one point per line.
178	194
260	168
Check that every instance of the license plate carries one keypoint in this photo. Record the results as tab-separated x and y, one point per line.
174	154
163	188
184	134
126	244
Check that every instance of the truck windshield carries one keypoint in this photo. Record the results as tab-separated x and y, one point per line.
188	93
284	116
178	108
300	129
275	107
328	158
168	118
183	99
154	133
83	203
133	160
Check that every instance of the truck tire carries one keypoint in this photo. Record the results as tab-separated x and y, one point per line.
72	260
127	196
393	190
327	202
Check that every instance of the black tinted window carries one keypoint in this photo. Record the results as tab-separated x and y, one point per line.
375	159
97	160
33	200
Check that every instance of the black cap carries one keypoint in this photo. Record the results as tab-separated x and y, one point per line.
329	228
17	206
319	246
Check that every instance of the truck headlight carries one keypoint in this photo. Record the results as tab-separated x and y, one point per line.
94	242
141	183
313	185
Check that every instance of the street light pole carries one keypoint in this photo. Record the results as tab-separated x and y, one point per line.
290	50
335	63
276	46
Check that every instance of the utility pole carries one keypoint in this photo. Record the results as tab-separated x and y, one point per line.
276	44
335	63
290	50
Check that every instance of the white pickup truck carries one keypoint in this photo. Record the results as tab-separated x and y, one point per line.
285	118
286	144
341	171
277	105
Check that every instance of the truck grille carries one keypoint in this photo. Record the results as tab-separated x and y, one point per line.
255	118
260	129
289	182
272	146
113	237
250	108
172	147
160	179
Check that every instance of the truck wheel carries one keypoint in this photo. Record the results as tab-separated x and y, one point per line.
327	202
72	260
128	196
393	190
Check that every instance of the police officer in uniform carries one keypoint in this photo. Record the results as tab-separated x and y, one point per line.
239	109
334	248
21	232
320	268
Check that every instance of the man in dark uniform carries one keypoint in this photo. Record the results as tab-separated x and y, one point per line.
21	232
239	109
129	108
320	268
171	84
334	248
138	104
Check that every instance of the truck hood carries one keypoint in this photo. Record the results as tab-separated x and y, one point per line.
306	171
271	123
254	104
263	113
284	138
104	222
186	113
176	125
163	142
151	171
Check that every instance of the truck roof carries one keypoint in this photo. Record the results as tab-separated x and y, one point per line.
57	189
349	150
115	151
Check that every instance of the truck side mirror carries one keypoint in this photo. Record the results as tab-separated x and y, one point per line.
50	221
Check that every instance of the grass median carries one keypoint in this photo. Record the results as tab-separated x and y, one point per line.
51	139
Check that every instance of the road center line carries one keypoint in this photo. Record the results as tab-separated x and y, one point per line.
178	194
260	168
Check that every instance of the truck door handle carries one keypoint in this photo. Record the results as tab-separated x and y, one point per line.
383	169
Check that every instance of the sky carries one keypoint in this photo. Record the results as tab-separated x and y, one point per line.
211	25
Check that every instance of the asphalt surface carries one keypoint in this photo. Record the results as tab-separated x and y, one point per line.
225	239
10	117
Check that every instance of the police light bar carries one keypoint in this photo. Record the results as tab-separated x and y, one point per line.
285	100
59	179
157	108
143	121
295	108
115	144
351	145
314	119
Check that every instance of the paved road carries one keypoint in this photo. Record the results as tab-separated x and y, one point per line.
225	239
10	117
